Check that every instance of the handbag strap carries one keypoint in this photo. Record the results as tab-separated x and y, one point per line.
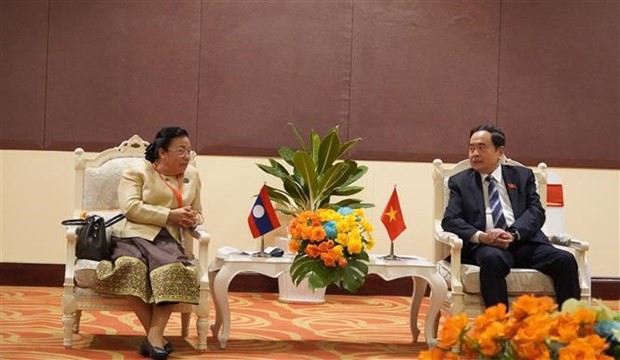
73	222
114	220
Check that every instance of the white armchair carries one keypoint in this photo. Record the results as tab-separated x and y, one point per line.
463	279
96	182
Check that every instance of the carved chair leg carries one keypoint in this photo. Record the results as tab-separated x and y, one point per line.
76	325
202	326
185	324
68	320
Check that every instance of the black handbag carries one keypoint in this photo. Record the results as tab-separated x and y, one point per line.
92	242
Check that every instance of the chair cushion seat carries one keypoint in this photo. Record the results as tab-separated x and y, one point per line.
85	273
519	281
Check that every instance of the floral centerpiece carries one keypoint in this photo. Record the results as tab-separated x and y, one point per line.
533	330
330	238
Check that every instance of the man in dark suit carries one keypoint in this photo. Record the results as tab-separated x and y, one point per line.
496	210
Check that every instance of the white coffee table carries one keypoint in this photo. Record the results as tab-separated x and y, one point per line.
423	272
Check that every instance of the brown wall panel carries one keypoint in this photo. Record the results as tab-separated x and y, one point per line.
23	52
408	76
423	73
559	82
266	63
119	68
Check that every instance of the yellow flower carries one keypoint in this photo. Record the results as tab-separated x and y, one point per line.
355	245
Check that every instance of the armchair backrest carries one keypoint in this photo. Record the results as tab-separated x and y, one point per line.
97	177
442	173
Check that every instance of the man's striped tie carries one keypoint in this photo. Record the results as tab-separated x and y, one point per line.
499	221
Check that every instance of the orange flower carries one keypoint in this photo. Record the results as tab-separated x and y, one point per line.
325	246
532	350
313	251
589	347
293	246
342	262
452	330
328	259
527	305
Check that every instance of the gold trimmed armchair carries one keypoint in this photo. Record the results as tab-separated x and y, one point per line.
463	279
96	182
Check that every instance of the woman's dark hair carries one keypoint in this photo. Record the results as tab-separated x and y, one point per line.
162	141
497	135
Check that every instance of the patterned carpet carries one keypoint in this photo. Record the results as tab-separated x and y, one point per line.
344	327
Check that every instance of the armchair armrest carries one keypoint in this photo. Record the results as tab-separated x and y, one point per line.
455	243
71	235
567	241
203	238
579	249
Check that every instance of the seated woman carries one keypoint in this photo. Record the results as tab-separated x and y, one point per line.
160	200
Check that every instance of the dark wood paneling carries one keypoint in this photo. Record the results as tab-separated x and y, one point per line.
120	67
409	77
23	58
424	73
560	81
267	63
21	274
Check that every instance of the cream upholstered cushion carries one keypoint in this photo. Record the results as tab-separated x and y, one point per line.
519	281
85	273
101	183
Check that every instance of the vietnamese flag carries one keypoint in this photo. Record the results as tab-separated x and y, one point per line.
392	217
263	217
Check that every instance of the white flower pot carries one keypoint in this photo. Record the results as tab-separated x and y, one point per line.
290	293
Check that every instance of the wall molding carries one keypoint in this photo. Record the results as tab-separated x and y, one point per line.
23	274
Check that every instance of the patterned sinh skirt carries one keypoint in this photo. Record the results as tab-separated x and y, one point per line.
155	271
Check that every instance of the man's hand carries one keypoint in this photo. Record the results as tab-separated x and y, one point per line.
496	237
184	217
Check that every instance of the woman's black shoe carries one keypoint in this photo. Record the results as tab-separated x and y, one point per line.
168	346
148	350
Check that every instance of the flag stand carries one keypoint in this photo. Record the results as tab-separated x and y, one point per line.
262	252
395	257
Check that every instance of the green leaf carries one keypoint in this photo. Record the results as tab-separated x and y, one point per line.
276	169
357	172
347	190
305	167
286	154
347	146
328	152
316	143
299	137
296	192
333	177
348	202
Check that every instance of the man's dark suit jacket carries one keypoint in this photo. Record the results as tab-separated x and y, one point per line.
465	213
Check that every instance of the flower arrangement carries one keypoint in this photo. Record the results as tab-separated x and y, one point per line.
331	247
329	237
533	330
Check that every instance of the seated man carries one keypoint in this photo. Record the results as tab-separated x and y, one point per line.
496	210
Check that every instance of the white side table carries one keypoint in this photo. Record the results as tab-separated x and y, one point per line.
423	272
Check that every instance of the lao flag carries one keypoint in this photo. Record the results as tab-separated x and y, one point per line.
392	217
263	217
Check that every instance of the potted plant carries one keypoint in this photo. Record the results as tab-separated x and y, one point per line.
330	238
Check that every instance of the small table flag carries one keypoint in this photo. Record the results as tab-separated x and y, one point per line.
392	217
262	218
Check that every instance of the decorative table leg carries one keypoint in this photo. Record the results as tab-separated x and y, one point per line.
439	291
419	288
